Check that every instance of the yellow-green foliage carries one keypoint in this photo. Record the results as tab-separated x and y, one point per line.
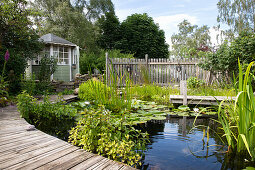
99	132
155	93
93	90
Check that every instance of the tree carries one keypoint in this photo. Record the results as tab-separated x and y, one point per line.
140	36
238	14
190	40
18	36
109	31
69	20
225	59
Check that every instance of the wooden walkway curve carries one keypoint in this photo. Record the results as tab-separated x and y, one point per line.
22	149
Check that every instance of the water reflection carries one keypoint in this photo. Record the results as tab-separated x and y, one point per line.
174	146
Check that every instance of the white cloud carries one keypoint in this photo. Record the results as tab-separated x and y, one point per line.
170	23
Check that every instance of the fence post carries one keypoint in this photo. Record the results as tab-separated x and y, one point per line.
146	60
183	91
107	68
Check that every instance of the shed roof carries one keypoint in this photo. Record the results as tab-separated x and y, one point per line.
53	39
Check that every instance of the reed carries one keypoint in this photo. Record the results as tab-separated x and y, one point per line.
238	118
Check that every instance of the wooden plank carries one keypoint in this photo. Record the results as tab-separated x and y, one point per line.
101	163
18	152
19	140
115	166
26	156
44	160
68	161
38	157
88	163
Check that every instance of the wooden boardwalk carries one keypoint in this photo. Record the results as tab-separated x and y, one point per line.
201	100
22	149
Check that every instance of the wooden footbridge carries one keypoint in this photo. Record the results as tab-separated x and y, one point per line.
199	100
23	149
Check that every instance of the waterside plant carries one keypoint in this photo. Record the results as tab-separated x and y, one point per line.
99	132
238	117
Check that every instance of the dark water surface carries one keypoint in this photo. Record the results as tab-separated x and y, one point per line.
174	146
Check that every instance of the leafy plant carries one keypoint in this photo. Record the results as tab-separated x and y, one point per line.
237	118
48	66
152	92
3	84
99	132
28	84
110	96
56	117
194	82
94	90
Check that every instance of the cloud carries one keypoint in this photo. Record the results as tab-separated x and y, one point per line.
170	23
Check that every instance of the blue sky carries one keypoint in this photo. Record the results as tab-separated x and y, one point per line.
169	13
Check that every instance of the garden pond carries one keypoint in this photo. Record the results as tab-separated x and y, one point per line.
179	138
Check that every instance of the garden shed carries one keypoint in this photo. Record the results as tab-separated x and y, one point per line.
66	54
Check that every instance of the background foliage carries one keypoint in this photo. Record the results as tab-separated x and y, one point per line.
18	36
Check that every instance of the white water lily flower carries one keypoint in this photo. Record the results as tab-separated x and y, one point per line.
87	103
196	110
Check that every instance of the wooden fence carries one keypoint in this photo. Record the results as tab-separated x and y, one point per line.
159	71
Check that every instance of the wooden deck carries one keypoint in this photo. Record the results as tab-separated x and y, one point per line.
201	100
22	149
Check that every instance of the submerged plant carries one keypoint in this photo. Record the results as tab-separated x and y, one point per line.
238	118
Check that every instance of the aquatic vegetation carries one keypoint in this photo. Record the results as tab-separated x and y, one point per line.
238	118
100	132
152	92
196	112
111	96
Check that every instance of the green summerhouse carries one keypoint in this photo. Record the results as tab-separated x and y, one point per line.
66	53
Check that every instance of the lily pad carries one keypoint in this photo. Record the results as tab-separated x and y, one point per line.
184	108
159	118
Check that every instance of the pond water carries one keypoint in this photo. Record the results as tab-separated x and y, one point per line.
173	146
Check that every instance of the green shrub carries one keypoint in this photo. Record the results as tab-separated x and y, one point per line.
99	132
55	118
194	82
29	107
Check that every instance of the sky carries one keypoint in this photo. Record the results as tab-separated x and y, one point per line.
169	13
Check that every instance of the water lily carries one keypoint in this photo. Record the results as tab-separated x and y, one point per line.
87	103
196	110
7	55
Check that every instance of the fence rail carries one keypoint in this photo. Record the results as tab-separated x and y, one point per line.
159	71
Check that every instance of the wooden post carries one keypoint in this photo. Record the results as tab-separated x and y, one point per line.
146	67
107	68
183	91
146	59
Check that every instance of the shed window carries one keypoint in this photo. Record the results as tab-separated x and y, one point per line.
44	53
61	54
74	54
